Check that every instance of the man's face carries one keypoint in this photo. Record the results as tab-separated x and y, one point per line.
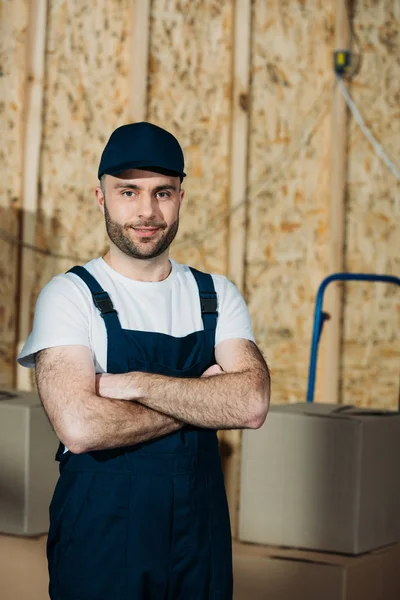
141	210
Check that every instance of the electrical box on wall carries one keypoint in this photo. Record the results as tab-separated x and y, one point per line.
342	62
28	471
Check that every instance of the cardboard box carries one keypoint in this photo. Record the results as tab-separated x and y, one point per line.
322	477
23	568
28	471
263	573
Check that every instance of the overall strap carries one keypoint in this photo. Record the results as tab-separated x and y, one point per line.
101	299
208	299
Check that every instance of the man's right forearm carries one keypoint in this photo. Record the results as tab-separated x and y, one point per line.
103	423
84	421
139	425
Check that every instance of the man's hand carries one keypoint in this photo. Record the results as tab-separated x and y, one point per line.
213	370
109	385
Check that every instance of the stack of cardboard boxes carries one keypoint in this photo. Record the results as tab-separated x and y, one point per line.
320	503
320	496
28	470
28	475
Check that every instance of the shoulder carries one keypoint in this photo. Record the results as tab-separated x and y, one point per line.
68	289
221	282
65	285
62	317
70	280
226	290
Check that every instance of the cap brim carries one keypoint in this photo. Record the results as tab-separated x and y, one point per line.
164	169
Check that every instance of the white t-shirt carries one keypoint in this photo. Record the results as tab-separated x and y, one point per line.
66	315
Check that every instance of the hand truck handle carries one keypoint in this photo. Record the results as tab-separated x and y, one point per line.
320	317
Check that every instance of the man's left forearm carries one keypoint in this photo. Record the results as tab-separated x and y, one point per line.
228	401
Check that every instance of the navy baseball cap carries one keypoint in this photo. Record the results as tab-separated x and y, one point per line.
140	145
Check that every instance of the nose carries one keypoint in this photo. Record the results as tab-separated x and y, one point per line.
146	206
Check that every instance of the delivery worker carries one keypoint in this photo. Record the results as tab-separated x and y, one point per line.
139	360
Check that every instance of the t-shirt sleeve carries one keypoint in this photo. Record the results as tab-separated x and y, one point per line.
233	314
62	317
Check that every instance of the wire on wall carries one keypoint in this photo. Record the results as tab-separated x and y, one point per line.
7	237
350	11
356	114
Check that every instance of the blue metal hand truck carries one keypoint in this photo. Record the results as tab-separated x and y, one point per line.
320	317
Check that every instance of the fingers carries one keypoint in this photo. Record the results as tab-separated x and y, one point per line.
213	370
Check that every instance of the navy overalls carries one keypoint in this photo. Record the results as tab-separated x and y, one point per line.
150	521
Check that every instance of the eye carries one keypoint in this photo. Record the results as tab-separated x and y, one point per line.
163	195
128	194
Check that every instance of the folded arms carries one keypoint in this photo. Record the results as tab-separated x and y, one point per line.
109	411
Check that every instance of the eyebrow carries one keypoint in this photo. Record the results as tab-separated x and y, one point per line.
133	186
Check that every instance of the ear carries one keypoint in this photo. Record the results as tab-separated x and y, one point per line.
181	196
100	198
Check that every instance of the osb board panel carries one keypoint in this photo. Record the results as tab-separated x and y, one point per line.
371	359
190	95
85	99
13	24
289	166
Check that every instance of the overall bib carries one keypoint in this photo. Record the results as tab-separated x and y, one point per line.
150	521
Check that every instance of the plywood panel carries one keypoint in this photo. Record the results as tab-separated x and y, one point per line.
13	25
372	311
33	112
87	89
86	98
190	95
289	182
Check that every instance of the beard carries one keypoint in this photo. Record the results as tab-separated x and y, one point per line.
147	248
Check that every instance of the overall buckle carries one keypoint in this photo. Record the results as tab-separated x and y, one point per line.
104	303
208	305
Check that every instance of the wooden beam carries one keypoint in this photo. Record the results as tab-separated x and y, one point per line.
239	143
139	68
36	40
334	298
231	440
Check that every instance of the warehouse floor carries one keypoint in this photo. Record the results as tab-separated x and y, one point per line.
250	575
23	571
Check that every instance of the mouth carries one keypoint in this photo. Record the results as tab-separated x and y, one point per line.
146	231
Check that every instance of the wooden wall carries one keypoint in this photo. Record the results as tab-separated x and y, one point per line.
13	25
289	161
85	98
371	357
190	94
88	85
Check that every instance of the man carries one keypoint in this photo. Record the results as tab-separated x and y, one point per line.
139	360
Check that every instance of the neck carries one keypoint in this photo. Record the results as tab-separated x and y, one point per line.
152	269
